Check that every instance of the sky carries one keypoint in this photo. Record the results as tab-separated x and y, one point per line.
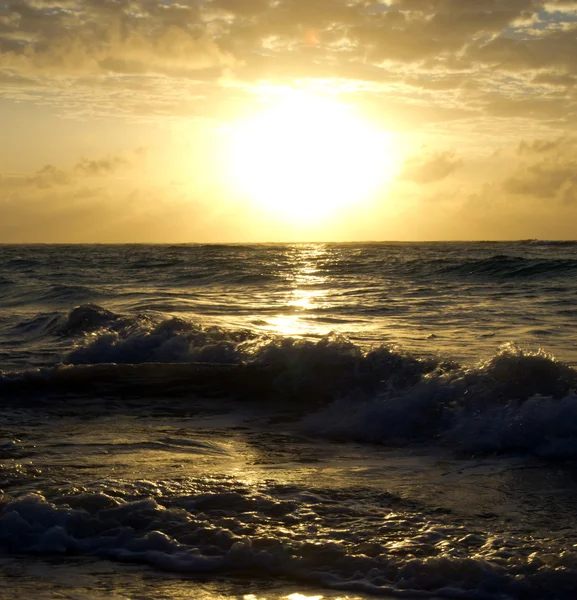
287	120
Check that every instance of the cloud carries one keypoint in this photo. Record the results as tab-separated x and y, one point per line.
550	174
431	168
136	57
414	30
561	145
47	177
101	166
50	176
545	180
90	37
472	75
556	49
93	199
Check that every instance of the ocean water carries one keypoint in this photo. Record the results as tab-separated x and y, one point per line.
289	421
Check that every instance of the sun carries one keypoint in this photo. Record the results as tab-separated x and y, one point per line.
306	157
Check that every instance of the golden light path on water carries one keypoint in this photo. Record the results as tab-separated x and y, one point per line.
321	303
310	292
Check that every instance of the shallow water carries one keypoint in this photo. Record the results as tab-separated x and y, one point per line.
337	421
210	491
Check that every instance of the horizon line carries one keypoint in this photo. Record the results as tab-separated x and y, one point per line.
270	243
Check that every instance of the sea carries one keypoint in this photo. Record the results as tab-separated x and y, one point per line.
289	421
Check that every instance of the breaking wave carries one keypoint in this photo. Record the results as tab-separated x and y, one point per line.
518	401
212	526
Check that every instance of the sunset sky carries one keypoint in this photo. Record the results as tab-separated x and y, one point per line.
287	120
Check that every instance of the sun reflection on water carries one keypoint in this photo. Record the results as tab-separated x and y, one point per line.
309	292
307	299
291	325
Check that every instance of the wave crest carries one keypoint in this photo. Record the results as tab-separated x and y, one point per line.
518	401
503	266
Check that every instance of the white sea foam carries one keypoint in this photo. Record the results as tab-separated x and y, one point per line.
516	402
259	533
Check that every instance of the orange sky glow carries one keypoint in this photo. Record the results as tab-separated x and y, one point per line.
287	120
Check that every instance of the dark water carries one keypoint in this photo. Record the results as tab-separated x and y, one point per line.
460	299
269	421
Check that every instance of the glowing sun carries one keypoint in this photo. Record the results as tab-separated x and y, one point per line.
307	157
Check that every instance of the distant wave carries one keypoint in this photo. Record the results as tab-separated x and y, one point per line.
56	294
502	266
256	279
21	264
42	324
549	242
68	293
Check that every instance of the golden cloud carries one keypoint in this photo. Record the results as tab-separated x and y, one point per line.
431	168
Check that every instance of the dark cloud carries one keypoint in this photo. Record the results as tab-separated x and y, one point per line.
148	32
555	79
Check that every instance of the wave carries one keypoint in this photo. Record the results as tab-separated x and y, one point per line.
502	266
560	243
88	318
256	279
512	373
154	263
301	369
128	380
67	293
23	265
40	325
60	294
226	527
304	373
517	402
143	339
